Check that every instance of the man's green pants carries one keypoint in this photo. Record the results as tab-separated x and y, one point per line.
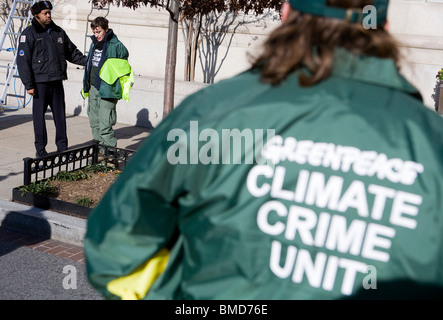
102	117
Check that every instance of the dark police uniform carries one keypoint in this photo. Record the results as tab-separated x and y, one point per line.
42	65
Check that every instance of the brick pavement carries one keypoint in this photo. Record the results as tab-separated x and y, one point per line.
49	246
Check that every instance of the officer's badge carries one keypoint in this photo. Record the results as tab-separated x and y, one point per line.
60	40
21	53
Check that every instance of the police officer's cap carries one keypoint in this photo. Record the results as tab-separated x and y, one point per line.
40	6
321	8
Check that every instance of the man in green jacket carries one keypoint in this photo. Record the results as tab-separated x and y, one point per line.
317	174
103	96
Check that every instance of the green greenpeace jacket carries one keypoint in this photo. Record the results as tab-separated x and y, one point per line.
113	49
248	191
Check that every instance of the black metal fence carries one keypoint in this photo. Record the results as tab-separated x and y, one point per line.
37	169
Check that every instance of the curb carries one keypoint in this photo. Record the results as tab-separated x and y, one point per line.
43	223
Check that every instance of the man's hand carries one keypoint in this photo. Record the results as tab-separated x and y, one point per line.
31	92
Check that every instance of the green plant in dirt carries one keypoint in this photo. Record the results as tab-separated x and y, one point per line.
72	175
39	187
82	174
96	168
439	75
84	201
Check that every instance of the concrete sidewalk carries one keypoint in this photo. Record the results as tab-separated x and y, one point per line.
17	143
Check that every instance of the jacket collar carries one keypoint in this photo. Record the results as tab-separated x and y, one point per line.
39	28
377	71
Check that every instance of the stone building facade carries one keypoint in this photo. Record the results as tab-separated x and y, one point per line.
417	24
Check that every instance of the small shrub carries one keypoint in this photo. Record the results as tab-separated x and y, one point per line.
84	201
96	168
72	175
39	187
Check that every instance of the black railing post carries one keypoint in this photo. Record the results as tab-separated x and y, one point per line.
27	171
95	154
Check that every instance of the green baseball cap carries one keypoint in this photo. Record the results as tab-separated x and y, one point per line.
320	8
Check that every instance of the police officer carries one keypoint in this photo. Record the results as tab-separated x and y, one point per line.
42	54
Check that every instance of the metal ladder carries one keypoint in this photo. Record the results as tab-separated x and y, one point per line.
88	22
9	31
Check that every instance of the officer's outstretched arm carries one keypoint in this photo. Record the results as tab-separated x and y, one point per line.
74	55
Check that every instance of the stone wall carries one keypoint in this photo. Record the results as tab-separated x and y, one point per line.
417	24
144	32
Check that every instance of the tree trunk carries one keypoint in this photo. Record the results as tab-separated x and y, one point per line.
171	58
187	32
195	44
193	40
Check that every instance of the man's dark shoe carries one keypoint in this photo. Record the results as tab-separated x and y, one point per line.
41	154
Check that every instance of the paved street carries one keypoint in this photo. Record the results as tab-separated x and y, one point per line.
34	268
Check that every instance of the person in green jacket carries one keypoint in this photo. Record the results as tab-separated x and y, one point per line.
103	96
316	174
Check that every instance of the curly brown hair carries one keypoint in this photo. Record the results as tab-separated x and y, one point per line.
305	40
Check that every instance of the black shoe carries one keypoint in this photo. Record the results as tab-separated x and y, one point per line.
41	154
61	150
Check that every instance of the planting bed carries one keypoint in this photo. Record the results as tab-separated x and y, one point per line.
75	198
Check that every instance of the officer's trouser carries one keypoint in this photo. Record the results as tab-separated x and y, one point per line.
50	94
102	117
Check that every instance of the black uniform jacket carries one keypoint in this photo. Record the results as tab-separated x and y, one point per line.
43	54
